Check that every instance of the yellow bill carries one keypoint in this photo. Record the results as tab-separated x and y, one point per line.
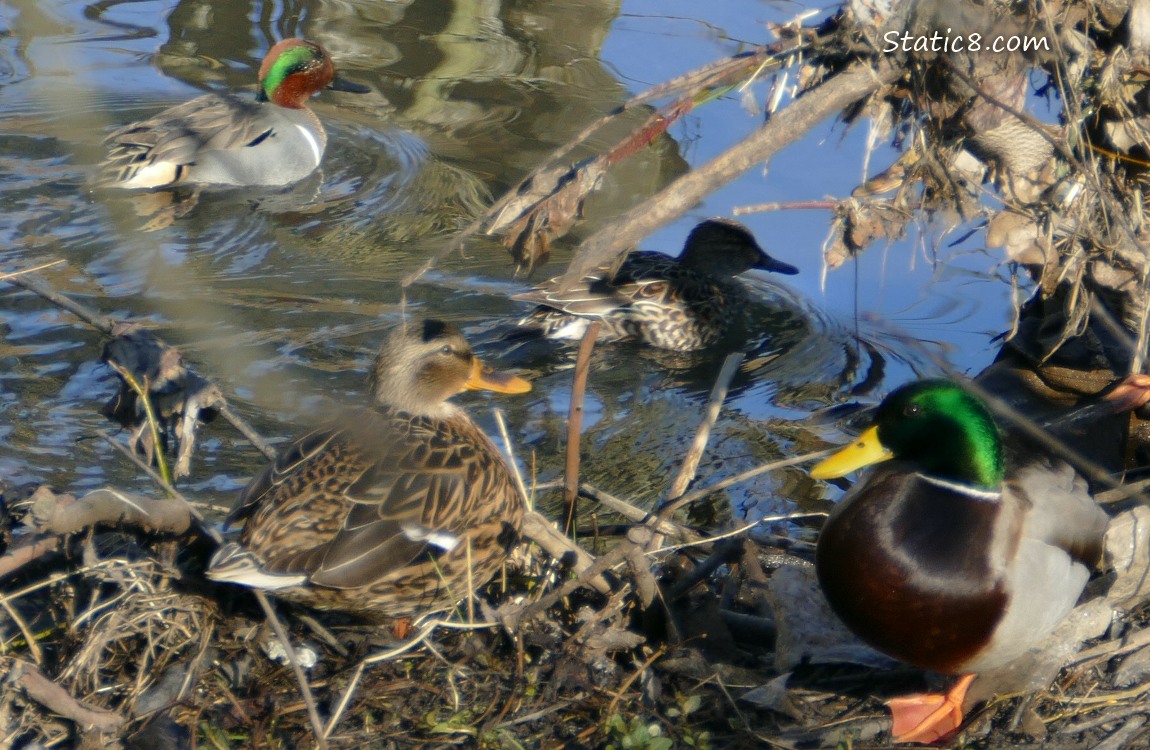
483	378
864	451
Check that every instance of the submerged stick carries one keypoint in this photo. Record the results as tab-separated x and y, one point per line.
710	416
235	420
101	323
575	424
17	557
726	552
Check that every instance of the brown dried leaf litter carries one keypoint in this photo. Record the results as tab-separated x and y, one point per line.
133	645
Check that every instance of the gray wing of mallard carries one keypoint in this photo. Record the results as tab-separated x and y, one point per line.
1056	545
176	135
1062	513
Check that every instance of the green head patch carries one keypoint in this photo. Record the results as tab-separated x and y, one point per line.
946	430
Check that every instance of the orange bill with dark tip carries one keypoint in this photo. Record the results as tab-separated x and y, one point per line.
485	379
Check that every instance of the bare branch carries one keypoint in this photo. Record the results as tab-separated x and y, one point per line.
785	128
60	514
28	677
575	424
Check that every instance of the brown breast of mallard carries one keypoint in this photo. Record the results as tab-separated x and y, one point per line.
897	573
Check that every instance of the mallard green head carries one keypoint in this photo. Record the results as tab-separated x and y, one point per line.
937	425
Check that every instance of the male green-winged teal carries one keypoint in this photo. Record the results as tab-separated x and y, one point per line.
956	554
400	509
218	139
683	304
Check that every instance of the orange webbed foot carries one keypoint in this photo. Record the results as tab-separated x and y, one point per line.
401	627
1130	394
928	717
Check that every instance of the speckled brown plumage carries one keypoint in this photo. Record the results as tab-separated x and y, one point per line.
683	304
393	512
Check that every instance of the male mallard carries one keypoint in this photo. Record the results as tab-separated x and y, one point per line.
218	139
955	554
682	304
402	508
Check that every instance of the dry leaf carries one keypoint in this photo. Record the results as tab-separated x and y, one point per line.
530	236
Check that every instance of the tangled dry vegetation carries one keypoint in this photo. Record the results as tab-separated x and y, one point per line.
113	638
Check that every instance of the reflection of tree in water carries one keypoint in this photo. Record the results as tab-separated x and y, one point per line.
490	88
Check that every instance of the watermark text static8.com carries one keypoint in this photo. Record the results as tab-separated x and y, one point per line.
905	41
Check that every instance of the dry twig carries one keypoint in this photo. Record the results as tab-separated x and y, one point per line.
541	531
636	514
710	415
669	508
28	677
63	514
142	393
503	433
575	424
301	678
553	173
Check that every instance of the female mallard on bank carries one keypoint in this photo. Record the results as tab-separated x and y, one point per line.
955	555
400	509
683	304
218	139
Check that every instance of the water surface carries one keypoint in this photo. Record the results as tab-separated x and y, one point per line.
281	296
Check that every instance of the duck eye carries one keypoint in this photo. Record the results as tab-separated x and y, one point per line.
446	349
911	410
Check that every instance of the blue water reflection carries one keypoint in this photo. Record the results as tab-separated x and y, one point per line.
281	295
